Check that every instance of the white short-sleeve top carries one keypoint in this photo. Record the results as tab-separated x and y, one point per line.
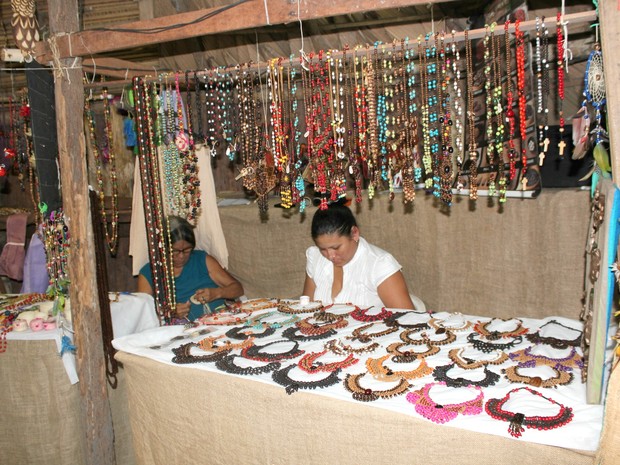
368	268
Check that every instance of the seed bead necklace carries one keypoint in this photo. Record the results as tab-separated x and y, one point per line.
309	363
561	377
408	356
471	121
382	373
362	394
227	364
440	374
282	377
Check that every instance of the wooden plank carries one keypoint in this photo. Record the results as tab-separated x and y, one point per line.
610	38
69	95
243	14
115	67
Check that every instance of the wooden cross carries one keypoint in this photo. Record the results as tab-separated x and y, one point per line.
561	146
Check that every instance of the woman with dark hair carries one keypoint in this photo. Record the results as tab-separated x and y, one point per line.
343	267
197	275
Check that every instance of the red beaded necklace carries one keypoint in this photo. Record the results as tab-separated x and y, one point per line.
560	67
520	56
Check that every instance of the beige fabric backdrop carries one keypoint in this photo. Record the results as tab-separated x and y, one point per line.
183	416
41	421
526	259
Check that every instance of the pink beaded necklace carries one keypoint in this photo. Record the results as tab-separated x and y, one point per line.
439	413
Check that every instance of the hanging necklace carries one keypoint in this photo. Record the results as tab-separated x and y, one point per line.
510	114
471	121
518	421
443	413
520	57
560	79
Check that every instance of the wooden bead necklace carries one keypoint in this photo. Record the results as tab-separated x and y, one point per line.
439	325
407	356
466	363
560	63
510	114
561	377
556	343
294	334
488	347
362	336
258	353
394	320
311	326
493	335
471	121
183	355
362	314
425	338
338	347
309	363
243	332
520	57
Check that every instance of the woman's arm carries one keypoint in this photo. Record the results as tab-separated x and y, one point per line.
309	287
394	294
228	286
144	285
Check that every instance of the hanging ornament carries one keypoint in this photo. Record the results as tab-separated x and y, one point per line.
25	26
594	87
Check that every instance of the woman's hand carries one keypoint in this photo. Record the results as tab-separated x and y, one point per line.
206	295
182	309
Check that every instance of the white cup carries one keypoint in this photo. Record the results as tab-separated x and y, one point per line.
304	300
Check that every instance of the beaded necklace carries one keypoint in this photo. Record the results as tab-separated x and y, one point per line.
227	364
443	413
440	374
257	322
312	328
406	356
561	377
294	334
338	347
258	353
471	121
373	139
542	86
282	377
382	373
110	228
362	394
358	152
394	320
449	337
456	355
489	81
439	325
527	359
309	363
426	158
362	314
296	307
223	318
183	355
520	57
499	117
488	347
210	344
482	329
560	79
409	173
554	342
361	335
518	421
243	332
510	114
457	102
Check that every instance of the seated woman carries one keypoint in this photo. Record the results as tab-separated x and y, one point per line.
195	274
344	268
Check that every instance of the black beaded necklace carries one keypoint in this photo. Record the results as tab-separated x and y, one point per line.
441	374
554	342
182	354
227	364
258	353
292	385
488	347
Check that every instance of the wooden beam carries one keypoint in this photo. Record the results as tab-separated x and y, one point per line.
610	38
69	97
115	67
242	14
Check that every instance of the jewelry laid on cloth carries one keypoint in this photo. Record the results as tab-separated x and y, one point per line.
441	374
296	307
394	320
257	322
309	328
242	332
362	315
488	347
352	384
554	342
439	325
210	344
527	359
293	385
519	421
561	377
443	413
258	352
223	318
338	347
294	334
494	335
449	337
364	337
309	363
227	364
181	337
382	373
183	355
456	355
406	356
331	315
254	305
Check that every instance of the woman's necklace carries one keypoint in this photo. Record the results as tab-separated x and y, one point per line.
443	413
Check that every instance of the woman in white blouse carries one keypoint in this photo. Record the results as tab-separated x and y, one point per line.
343	267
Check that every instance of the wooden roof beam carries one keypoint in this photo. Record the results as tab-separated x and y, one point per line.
243	14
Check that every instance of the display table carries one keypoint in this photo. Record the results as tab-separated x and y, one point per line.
230	419
41	418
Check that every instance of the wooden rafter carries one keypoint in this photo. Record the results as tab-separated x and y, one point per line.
243	14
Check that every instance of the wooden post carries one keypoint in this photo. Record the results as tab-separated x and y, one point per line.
609	15
69	95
